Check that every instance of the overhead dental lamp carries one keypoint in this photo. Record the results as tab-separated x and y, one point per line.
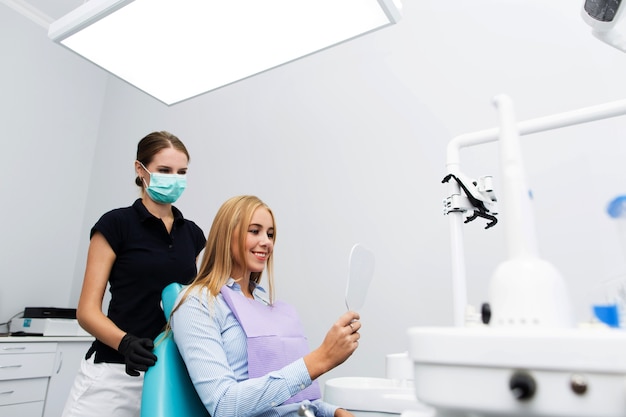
607	20
177	49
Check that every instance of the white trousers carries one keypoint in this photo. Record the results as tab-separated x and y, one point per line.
104	390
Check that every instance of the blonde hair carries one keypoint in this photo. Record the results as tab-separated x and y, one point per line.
216	267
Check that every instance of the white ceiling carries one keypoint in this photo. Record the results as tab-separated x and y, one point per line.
43	12
55	8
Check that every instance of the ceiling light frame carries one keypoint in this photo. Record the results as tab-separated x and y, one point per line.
99	23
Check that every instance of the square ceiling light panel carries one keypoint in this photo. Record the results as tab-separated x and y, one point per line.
177	49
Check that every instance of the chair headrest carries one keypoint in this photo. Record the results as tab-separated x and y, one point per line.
168	297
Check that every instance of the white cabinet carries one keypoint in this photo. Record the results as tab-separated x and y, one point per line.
21	391
67	363
24	372
36	374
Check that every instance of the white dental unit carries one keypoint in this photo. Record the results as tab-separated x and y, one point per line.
531	359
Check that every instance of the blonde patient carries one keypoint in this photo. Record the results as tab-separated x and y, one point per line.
246	353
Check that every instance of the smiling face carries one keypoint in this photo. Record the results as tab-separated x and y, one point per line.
259	244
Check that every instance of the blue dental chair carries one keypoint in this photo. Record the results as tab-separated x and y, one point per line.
167	388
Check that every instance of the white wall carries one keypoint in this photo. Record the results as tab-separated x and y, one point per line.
50	116
348	145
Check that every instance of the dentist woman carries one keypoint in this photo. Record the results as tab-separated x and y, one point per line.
138	250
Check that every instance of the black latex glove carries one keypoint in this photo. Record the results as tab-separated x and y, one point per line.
137	353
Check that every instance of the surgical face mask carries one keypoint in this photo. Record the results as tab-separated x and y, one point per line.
165	188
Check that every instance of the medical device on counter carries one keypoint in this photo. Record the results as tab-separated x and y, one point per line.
530	360
46	321
607	20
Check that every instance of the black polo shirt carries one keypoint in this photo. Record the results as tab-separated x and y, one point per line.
148	258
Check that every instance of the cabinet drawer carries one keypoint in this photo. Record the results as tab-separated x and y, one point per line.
17	347
22	410
31	365
23	391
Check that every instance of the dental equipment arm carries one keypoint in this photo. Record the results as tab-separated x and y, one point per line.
479	198
580	116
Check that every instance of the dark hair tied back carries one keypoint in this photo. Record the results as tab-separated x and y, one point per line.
154	143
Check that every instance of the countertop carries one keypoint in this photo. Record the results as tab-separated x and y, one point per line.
5	338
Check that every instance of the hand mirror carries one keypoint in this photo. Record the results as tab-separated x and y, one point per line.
360	276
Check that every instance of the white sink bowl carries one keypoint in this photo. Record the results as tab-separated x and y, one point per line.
374	396
499	371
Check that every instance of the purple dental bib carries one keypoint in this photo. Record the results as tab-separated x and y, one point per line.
275	337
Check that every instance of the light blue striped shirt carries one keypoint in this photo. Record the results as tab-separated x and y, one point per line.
214	348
